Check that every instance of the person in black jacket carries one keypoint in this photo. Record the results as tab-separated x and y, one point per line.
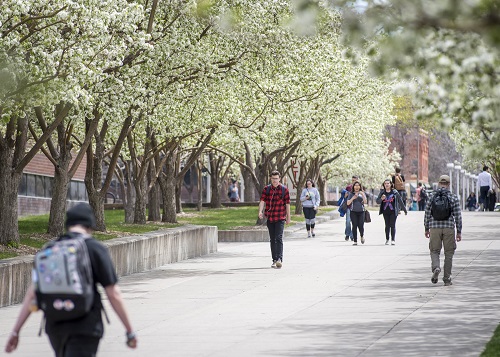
391	204
80	337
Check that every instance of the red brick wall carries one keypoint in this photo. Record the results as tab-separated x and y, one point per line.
40	165
406	143
29	206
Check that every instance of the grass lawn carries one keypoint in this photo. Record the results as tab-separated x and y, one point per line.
32	228
493	347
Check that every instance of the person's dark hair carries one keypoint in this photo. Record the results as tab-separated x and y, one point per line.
387	180
398	170
233	180
274	173
420	184
356	183
485	168
313	185
355	177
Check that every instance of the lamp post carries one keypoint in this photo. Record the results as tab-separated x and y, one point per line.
462	171
467	179
450	167
458	168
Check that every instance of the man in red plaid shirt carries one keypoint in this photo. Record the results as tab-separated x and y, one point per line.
275	205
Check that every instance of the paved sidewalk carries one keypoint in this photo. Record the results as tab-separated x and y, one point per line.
329	299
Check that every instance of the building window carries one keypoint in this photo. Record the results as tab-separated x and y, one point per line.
23	186
30	185
42	186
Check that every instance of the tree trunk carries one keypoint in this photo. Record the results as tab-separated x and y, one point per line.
322	190
93	179
140	201
59	197
153	197
178	202
12	149
61	180
250	194
9	185
215	186
217	176
199	201
129	192
96	201
167	185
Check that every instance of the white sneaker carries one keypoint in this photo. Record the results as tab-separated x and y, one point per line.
279	264
274	264
362	240
393	243
387	242
308	235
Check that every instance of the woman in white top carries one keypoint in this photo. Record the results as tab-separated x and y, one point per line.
310	202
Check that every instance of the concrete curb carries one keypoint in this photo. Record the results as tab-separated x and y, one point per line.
261	235
130	255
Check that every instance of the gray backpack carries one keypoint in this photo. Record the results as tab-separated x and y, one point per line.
63	280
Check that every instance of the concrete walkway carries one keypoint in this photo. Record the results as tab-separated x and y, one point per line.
329	299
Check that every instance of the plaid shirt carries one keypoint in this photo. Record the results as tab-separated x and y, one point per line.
455	217
275	210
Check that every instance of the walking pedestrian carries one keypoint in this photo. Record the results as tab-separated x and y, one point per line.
348	226
80	337
391	203
442	216
492	199
421	196
235	195
398	180
275	205
310	202
357	201
484	184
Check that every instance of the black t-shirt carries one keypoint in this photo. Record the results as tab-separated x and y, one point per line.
104	273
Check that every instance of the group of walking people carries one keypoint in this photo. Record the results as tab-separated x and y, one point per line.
441	220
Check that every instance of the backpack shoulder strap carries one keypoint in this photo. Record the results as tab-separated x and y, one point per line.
283	191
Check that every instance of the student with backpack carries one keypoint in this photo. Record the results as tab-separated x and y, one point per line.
421	196
275	205
69	297
442	216
398	180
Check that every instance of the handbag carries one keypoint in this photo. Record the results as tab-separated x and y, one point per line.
368	219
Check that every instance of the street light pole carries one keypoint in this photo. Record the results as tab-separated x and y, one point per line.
458	168
463	188
450	167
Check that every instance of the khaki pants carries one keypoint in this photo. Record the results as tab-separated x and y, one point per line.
442	237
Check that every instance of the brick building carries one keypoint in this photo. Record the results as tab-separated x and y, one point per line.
413	145
35	189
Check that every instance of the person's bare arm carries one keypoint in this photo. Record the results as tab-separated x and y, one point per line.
262	205
13	340
288	216
115	298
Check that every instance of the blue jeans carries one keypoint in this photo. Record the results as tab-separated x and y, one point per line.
348	229
276	238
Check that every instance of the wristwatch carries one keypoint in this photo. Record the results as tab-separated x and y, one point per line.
130	335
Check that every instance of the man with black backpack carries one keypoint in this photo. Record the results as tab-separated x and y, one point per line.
442	216
72	313
421	196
